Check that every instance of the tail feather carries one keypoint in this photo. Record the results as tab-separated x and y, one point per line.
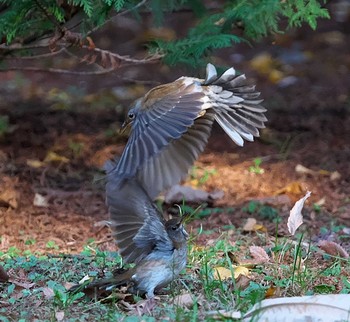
237	106
120	277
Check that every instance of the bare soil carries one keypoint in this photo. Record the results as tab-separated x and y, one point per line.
309	117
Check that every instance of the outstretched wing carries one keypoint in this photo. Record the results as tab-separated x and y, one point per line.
137	224
168	167
173	124
164	114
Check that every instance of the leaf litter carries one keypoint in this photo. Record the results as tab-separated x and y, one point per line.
68	218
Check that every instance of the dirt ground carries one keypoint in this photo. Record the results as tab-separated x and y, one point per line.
61	129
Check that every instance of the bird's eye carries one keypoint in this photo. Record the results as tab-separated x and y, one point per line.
174	227
131	116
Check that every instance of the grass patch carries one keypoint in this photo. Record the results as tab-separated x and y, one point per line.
37	288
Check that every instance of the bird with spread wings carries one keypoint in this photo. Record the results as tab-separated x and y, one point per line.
170	127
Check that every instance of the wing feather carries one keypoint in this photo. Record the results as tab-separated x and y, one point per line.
137	224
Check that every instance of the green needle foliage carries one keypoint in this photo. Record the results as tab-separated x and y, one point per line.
231	21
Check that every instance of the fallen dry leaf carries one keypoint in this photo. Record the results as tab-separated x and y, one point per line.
35	163
25	285
40	200
295	218
271	291
8	195
335	175
294	188
333	248
251	225
242	282
240	270
48	292
222	273
259	254
220	314
68	285
184	300
299	168
59	315
54	157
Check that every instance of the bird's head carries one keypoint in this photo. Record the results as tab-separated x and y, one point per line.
176	231
131	115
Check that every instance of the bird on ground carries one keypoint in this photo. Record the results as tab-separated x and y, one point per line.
157	247
171	124
170	127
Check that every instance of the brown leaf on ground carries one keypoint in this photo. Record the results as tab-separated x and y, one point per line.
48	292
333	248
272	291
259	254
240	271
55	157
35	163
184	300
251	225
293	188
295	218
222	273
242	282
8	193
24	285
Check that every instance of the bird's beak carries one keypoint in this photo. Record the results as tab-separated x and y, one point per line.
185	233
125	127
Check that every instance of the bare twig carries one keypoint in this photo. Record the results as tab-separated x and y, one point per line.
115	61
46	55
23	47
59	71
64	39
79	59
103	241
154	57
